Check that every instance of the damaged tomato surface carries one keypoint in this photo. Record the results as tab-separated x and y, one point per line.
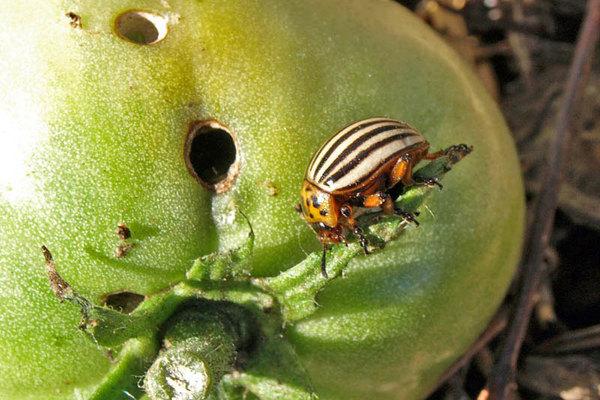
177	119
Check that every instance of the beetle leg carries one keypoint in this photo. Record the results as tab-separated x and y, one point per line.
350	222
433	181
362	240
402	171
343	240
408	217
455	153
375	200
437	154
346	211
388	207
430	182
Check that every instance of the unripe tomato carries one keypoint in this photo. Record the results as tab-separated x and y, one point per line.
93	133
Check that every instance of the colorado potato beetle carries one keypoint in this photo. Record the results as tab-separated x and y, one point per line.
356	168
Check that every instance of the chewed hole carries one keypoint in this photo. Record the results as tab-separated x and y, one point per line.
212	155
122	301
141	27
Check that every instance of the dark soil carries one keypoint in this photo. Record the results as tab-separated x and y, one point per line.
522	51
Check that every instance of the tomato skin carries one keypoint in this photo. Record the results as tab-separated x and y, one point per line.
95	132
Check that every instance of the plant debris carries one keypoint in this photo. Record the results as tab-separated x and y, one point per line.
524	51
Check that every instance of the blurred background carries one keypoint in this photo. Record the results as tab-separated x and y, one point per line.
522	50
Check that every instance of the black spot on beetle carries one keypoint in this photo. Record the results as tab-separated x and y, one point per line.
315	201
323	212
307	203
309	189
310	215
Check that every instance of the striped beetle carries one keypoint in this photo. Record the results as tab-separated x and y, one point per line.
358	167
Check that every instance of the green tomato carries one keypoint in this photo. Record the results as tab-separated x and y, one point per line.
93	134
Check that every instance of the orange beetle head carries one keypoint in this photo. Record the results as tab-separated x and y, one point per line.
318	206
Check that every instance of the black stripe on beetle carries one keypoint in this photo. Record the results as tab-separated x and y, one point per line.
356	163
363	180
347	150
360	127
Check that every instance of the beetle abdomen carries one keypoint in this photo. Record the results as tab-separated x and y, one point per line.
357	153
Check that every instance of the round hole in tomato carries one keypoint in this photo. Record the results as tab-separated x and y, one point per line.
141	27
212	155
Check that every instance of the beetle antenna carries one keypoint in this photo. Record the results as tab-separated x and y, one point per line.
323	262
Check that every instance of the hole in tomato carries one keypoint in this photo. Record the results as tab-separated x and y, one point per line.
212	155
122	301
141	27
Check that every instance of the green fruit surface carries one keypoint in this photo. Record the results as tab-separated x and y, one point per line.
92	134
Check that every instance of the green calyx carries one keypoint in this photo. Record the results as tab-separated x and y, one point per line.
207	322
199	347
